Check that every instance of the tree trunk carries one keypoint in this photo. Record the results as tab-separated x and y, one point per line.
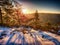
1	17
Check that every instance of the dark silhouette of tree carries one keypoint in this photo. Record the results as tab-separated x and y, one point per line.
36	16
36	20
1	17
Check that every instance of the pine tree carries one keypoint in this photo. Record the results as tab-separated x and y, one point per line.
36	16
36	20
6	5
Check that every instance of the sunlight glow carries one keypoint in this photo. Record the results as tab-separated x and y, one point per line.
24	11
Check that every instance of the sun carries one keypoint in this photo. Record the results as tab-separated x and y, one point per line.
24	11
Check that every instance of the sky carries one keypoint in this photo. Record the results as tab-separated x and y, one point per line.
44	6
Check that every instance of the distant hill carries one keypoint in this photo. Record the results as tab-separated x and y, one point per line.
47	17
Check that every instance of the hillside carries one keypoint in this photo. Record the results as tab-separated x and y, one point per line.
47	17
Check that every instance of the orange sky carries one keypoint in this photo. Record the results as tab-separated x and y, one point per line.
30	8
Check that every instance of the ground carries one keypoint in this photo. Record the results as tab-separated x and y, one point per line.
30	37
